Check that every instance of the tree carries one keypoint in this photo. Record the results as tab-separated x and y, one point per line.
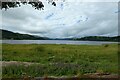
37	4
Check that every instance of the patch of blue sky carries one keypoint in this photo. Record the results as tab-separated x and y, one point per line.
62	6
86	19
78	21
49	16
117	11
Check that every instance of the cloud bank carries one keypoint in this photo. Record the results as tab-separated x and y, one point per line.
67	19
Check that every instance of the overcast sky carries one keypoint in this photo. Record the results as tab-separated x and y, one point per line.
67	19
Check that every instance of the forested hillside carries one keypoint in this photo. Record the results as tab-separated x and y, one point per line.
17	36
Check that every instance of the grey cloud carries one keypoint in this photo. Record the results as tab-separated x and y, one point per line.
100	20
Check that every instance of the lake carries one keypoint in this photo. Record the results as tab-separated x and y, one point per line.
56	42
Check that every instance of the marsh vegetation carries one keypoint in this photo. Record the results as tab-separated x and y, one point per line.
59	60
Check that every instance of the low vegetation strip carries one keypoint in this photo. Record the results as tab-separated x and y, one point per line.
84	77
59	60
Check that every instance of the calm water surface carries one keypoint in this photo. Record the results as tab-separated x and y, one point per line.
55	42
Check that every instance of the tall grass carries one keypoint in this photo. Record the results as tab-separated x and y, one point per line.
60	60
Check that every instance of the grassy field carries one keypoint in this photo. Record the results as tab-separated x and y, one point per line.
59	60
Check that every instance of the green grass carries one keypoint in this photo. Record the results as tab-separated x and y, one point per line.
60	60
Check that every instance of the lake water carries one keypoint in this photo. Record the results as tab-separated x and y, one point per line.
55	42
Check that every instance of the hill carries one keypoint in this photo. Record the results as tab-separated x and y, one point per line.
99	38
17	36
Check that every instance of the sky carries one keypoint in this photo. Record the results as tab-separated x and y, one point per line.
68	19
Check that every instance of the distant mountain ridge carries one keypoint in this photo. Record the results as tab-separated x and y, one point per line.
9	35
99	38
17	36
